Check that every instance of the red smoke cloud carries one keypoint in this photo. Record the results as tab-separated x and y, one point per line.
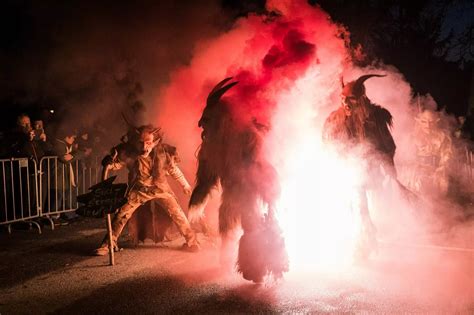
289	67
266	56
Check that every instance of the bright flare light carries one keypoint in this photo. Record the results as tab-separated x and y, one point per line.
318	209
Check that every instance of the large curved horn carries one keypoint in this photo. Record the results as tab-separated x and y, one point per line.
359	83
362	79
220	84
219	90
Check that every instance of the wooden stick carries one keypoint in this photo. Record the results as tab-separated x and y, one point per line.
111	245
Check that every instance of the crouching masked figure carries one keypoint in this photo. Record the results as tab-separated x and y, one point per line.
360	125
149	162
230	153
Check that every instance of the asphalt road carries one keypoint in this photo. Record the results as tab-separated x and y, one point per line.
52	273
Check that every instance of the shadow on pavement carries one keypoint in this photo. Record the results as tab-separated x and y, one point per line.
26	255
172	295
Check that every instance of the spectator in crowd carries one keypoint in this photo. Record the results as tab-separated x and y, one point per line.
87	165
84	145
23	142
38	129
64	181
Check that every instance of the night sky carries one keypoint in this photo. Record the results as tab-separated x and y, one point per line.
60	55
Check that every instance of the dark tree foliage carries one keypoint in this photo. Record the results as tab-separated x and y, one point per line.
239	8
415	37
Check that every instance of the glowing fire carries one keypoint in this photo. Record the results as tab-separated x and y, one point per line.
318	208
318	215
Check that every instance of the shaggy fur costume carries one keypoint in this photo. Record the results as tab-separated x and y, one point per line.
230	153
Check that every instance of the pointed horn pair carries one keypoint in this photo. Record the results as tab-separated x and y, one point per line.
219	90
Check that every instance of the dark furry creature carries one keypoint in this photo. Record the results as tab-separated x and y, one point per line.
230	153
360	127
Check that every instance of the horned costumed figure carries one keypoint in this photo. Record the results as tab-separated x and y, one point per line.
359	125
433	154
149	161
230	154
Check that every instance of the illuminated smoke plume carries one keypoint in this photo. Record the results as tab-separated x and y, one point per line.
289	65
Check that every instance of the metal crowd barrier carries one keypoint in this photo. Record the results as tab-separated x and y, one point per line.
60	183
30	192
19	194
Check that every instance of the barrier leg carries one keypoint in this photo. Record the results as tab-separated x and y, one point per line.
111	244
36	224
50	222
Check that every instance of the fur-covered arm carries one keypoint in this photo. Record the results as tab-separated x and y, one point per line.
387	147
385	143
201	193
384	120
333	128
206	179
